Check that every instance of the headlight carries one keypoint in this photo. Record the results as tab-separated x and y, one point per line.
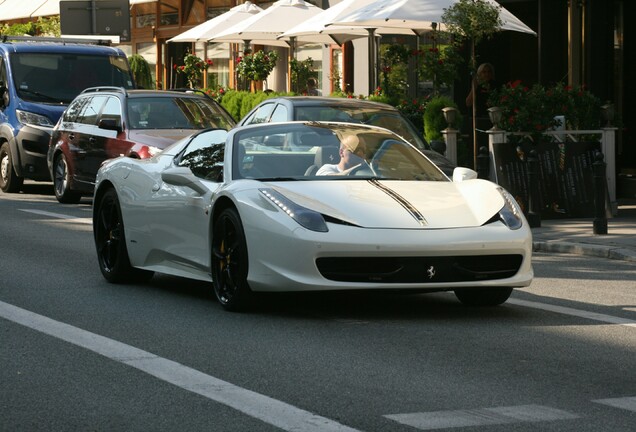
511	213
307	218
26	117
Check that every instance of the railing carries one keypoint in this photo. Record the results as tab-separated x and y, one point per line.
607	139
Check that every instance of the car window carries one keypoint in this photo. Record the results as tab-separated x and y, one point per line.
203	114
176	113
204	155
280	114
112	110
60	77
377	154
260	115
74	109
91	110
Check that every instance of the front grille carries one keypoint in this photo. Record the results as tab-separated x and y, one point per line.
440	269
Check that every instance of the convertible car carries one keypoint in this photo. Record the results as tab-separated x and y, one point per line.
308	206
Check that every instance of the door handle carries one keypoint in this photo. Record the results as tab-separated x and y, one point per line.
92	140
71	136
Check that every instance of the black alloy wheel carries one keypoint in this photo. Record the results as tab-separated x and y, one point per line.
483	296
62	183
110	243
229	262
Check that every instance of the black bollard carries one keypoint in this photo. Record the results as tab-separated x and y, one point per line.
534	208
483	163
600	185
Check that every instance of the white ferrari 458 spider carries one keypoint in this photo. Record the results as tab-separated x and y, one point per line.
306	206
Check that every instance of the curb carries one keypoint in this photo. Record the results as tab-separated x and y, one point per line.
586	249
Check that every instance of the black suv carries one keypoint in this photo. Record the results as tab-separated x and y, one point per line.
107	122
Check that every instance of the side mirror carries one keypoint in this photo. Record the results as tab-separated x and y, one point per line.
462	174
109	124
182	176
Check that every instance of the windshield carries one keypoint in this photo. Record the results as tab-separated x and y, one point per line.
59	77
176	113
366	114
327	151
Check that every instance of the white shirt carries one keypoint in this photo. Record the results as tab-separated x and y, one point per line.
328	169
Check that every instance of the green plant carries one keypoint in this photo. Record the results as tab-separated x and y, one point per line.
141	71
582	110
439	65
413	109
532	110
257	66
434	121
193	68
301	71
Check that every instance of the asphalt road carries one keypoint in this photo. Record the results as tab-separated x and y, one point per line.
79	354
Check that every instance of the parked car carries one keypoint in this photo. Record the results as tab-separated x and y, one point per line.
231	209
106	122
38	79
290	108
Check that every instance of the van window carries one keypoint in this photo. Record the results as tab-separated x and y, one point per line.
58	77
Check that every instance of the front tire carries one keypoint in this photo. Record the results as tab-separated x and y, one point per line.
9	180
110	242
483	296
229	262
62	182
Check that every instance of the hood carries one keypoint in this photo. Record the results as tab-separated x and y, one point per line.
399	204
160	138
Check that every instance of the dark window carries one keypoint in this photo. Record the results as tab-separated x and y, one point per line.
204	155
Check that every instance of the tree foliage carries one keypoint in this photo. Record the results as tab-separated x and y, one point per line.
141	71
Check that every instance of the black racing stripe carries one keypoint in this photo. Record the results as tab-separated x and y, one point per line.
419	217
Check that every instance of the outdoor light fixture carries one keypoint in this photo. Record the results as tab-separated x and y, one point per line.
607	111
450	115
495	113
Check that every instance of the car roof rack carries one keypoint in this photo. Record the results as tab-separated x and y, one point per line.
106	88
62	40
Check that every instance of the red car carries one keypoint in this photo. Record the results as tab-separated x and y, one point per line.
107	122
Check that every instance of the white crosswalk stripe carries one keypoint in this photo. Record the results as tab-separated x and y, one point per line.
481	417
626	403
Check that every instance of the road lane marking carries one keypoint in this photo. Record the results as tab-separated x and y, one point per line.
481	417
626	403
574	312
277	413
75	219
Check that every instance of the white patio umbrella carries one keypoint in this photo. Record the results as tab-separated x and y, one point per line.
316	29
264	27
416	15
203	32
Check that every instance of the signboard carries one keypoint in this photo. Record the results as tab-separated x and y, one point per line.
566	177
96	17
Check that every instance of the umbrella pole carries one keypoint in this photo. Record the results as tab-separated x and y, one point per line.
474	105
373	61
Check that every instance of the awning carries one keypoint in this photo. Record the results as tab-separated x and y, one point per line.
18	9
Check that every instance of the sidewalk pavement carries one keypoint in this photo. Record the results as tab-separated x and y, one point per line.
576	236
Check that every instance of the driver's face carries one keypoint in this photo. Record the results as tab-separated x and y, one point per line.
350	158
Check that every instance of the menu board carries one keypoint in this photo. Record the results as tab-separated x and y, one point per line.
565	176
